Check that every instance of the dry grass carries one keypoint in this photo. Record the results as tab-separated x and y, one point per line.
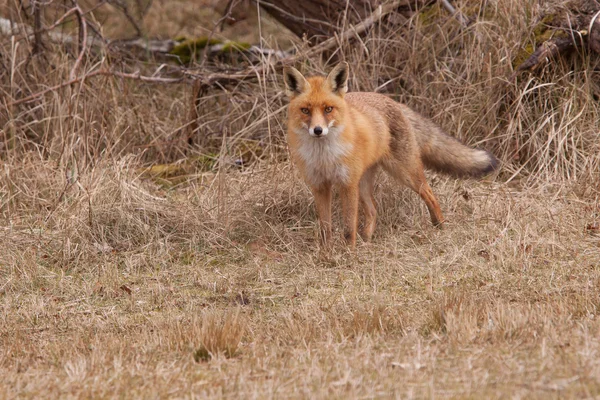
503	301
114	284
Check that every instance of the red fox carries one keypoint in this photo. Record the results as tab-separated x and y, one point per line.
339	138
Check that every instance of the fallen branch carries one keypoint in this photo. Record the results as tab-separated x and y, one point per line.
10	28
314	23
546	52
159	48
219	78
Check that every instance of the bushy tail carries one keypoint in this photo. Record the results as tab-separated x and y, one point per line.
446	154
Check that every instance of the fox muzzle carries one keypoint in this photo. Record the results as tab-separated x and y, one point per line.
318	131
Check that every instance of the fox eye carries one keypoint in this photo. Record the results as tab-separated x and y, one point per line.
328	109
305	110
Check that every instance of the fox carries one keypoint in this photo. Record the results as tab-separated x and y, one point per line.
342	139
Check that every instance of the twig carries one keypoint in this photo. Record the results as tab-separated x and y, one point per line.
591	27
123	6
357	29
60	20
298	18
228	9
103	72
464	20
82	39
226	16
2	63
197	89
37	28
143	9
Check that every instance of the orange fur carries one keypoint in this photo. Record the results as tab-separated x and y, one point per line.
342	139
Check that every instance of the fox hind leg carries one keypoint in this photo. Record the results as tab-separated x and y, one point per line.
420	185
366	187
414	178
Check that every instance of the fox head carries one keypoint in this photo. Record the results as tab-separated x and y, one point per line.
317	106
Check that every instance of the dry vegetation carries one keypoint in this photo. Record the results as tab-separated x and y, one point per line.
117	283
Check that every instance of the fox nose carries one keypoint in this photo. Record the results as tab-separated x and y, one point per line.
318	130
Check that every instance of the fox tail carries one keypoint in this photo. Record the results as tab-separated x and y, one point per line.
443	153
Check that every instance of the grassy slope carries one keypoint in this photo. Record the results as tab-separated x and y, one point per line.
110	283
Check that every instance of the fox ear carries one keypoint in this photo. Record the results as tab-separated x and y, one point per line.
295	83
338	78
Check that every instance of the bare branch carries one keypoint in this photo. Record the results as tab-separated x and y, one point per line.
298	18
224	18
100	72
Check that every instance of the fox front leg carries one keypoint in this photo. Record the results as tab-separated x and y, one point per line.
349	197
323	203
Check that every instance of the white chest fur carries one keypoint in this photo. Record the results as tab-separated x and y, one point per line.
323	158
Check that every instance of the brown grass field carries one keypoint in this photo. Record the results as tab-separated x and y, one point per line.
205	281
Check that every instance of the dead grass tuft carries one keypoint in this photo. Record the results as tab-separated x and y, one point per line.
376	320
220	335
455	315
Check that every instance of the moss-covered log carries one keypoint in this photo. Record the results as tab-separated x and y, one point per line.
572	25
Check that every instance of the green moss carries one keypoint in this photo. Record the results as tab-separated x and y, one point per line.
168	175
523	55
544	24
235	46
541	33
429	15
189	48
192	48
205	162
